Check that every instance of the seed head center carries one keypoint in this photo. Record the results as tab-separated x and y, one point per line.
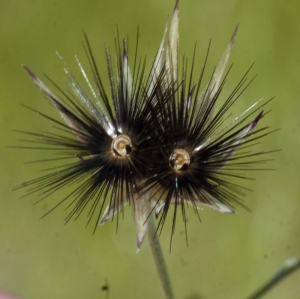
179	159
121	146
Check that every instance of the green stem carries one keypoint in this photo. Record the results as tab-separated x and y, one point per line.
159	260
287	268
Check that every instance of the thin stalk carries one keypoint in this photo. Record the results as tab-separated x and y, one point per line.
287	268
159	260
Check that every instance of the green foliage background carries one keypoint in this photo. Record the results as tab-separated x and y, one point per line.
228	255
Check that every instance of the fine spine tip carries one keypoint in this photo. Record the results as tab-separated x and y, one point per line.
232	39
176	8
140	239
256	120
103	219
101	222
190	96
125	54
32	75
226	209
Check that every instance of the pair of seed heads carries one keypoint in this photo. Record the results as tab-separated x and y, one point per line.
150	142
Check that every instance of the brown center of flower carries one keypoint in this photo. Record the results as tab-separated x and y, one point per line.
180	159
121	146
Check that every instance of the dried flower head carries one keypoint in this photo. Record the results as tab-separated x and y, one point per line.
105	135
151	142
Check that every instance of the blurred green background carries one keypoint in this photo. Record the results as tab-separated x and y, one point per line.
228	256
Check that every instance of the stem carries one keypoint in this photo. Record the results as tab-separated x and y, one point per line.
159	260
289	266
